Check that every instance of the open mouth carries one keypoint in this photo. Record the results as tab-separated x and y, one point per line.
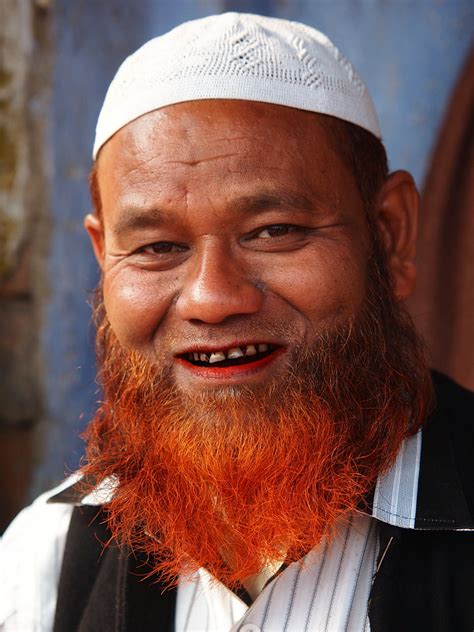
234	356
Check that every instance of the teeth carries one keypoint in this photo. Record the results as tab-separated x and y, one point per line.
232	354
235	353
217	356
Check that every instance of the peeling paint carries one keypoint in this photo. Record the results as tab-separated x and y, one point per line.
8	158
5	77
9	230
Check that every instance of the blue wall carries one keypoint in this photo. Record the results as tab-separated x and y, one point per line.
409	53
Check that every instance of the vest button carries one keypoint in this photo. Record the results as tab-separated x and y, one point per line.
250	627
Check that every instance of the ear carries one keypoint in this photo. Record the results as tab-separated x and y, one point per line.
95	229
397	220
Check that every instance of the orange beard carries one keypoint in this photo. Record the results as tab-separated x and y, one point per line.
251	476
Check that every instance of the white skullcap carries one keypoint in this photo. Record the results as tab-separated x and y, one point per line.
237	56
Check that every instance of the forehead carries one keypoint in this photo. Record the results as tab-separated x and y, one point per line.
216	144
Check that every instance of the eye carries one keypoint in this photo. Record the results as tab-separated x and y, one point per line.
278	237
277	230
162	248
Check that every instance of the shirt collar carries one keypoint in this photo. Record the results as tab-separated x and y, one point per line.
424	489
396	492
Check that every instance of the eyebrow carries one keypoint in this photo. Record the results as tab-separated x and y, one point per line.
283	200
138	218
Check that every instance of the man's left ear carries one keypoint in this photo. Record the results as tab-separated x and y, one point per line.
397	221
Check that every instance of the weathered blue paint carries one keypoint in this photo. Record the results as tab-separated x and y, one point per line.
409	53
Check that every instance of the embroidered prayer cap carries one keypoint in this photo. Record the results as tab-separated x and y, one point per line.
237	56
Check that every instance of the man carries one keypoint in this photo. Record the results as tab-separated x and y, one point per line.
269	453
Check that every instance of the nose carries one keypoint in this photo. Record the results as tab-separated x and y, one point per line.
217	288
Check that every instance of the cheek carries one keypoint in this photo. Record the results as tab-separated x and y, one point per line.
135	304
326	288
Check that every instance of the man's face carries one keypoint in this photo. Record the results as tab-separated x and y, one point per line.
228	225
234	228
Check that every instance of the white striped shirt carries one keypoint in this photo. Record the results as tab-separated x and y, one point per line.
327	593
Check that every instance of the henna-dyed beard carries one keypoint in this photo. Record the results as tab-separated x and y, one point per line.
229	481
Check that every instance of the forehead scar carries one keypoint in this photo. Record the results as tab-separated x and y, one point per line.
194	163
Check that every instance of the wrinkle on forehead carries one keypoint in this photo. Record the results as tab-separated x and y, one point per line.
195	163
180	152
178	129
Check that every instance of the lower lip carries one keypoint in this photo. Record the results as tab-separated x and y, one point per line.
229	372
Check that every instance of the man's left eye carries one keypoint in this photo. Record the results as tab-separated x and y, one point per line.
277	230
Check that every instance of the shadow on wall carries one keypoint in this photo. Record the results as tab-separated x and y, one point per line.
443	304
